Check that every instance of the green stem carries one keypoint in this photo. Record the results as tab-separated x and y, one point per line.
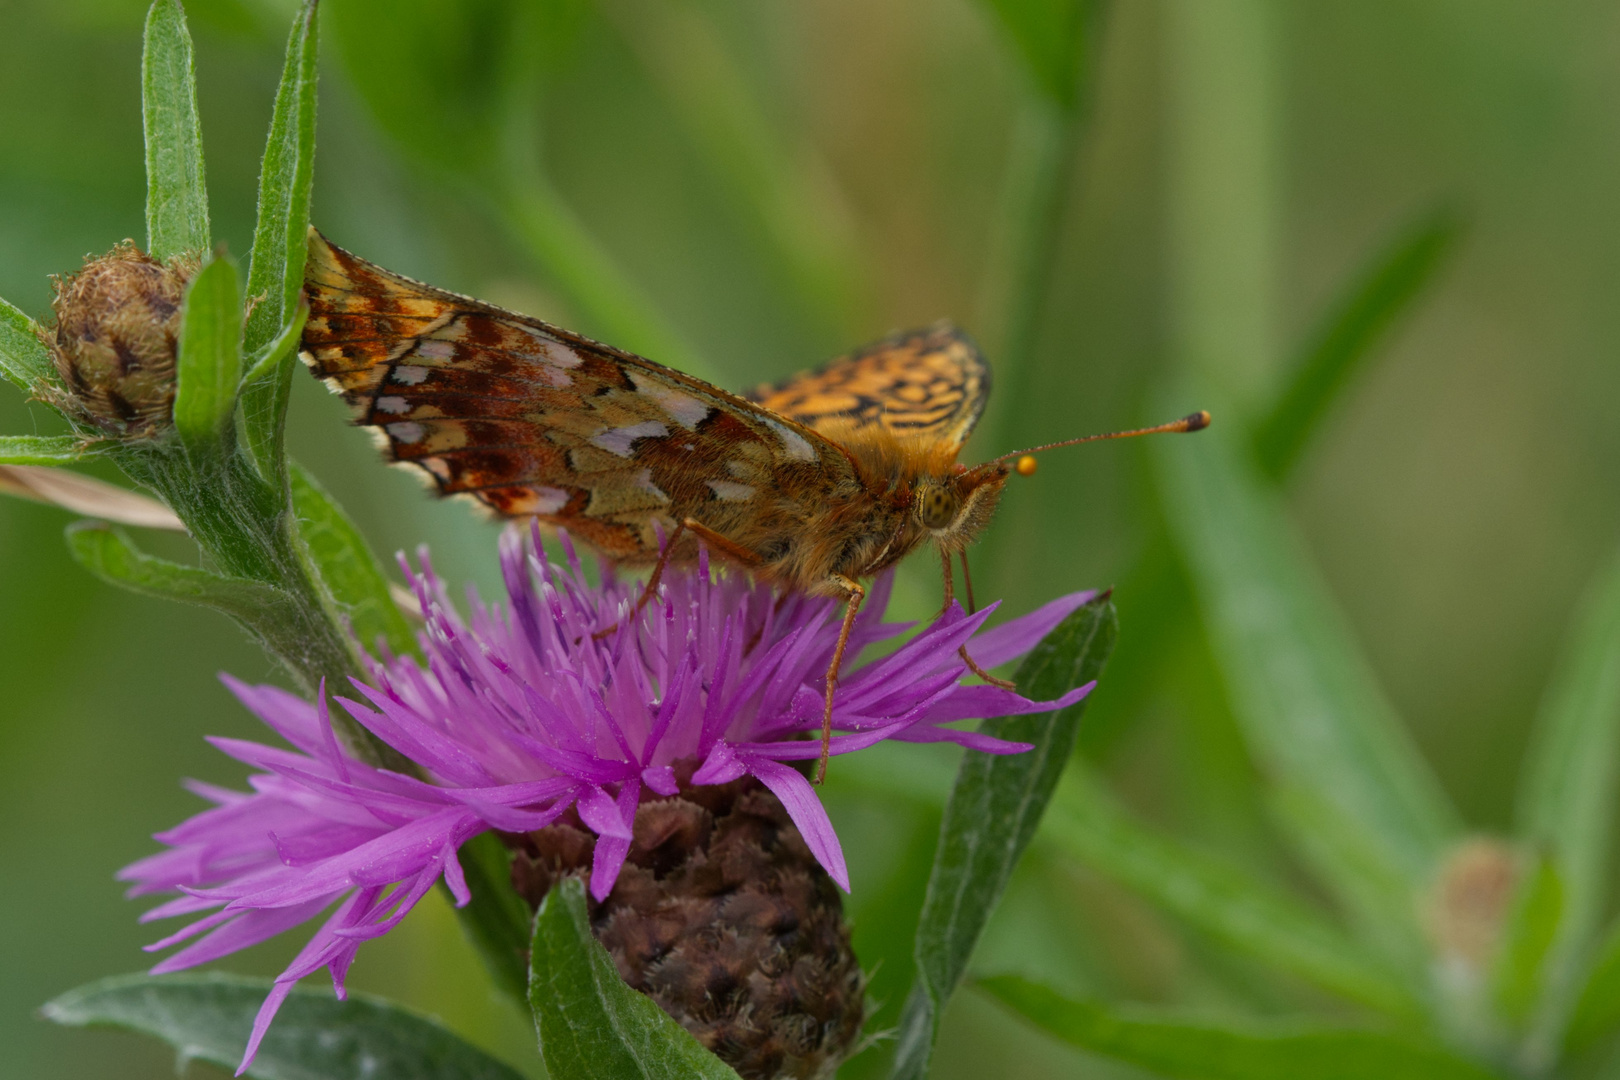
248	529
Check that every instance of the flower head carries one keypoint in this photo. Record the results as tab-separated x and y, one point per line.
520	715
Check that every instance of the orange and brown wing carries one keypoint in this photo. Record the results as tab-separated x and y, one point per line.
534	420
928	385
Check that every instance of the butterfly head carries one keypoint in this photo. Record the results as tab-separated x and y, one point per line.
954	509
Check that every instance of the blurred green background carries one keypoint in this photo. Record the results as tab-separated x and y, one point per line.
746	188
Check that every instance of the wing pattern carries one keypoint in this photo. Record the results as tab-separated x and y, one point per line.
534	420
924	385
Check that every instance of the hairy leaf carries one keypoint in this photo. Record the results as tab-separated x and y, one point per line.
276	271
41	449
207	1017
112	556
347	567
23	357
1172	1045
591	1025
993	811
209	364
176	198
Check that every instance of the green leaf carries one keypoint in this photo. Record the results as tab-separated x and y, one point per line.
347	568
209	365
1597	1009
1568	798
1172	1045
280	243
1352	789
176	198
1349	335
1216	897
992	814
112	556
1527	938
207	1017
496	920
268	358
41	449
23	357
1050	37
591	1025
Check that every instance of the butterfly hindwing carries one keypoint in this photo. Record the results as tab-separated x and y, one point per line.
926	386
534	420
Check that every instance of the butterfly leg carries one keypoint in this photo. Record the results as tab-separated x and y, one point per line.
950	584
649	589
973	665
855	593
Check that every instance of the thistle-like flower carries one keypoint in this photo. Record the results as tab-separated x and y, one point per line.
669	733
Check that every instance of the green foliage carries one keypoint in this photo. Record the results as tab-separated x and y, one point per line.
1349	335
209	363
176	196
591	1025
1532	927
276	270
344	563
496	920
1050	38
40	449
1216	897
1201	1049
23	358
993	812
208	1017
1597	1008
1351	788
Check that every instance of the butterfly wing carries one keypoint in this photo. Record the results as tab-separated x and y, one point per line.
929	386
531	419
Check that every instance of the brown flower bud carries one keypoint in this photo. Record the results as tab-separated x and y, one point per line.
723	917
116	335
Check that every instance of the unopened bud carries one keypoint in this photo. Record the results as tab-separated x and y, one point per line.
114	343
723	917
1468	904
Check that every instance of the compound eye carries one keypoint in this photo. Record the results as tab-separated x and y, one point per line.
938	508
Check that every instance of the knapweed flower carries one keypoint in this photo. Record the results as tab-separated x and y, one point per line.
521	719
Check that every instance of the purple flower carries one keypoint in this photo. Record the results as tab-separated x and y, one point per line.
520	715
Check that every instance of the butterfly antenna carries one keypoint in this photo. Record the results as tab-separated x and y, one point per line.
1197	421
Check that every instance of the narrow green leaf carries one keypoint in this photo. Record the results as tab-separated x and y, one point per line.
1354	792
112	556
268	359
1532	927
1568	798
1050	38
496	920
1201	1049
280	244
591	1025
1597	1009
41	449
209	365
207	1017
1216	897
23	357
176	197
992	814
1349	335
348	569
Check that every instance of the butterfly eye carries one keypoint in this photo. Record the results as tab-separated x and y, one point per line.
936	507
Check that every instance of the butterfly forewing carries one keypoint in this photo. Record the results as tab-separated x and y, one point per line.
923	386
534	420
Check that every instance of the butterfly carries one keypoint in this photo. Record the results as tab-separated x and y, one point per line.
810	484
